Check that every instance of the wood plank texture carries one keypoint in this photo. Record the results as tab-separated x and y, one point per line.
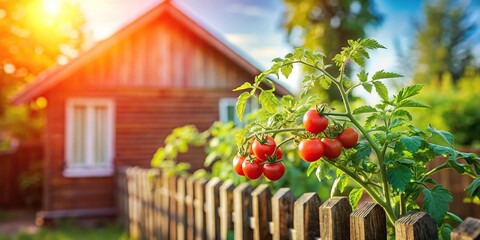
334	216
368	222
416	225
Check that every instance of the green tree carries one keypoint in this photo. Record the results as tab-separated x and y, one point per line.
36	35
325	25
443	42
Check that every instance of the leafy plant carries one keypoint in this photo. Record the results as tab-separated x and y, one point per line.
389	162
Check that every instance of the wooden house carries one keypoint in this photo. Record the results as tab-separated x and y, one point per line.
115	103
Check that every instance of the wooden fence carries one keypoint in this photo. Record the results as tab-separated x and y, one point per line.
157	206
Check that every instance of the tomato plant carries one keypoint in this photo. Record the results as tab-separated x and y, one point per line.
388	162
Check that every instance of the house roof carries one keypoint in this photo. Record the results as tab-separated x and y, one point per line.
53	76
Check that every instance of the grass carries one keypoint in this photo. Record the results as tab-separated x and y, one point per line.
69	231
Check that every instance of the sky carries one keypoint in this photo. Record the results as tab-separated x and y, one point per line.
253	27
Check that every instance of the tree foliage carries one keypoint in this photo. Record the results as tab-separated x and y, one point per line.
325	25
36	35
444	40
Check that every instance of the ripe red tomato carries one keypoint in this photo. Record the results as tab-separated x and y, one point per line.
313	122
237	164
310	150
263	150
274	171
250	146
279	153
252	170
333	147
348	137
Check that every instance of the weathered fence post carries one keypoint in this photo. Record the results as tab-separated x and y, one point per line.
132	202
189	199
335	218
212	204
172	206
261	209
242	210
416	226
368	222
467	230
165	206
158	200
199	204
181	208
305	215
282	213
226	206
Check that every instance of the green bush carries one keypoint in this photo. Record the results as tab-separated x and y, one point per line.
453	107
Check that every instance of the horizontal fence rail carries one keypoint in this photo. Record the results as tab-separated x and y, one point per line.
156	206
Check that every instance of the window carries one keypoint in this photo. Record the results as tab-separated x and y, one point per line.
89	137
228	112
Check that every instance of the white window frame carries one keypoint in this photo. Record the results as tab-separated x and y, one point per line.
89	169
224	103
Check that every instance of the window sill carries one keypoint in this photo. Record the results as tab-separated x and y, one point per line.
85	172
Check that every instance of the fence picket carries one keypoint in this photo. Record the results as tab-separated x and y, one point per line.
181	208
199	201
157	203
467	230
368	222
261	209
282	213
165	206
190	208
417	225
226	206
334	216
172	210
212	204
305	216
242	211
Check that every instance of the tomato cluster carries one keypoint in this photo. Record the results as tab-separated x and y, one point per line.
313	149
264	158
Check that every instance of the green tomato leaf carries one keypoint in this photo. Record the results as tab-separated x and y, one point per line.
323	171
405	161
436	202
448	137
325	82
245	85
399	177
362	76
474	188
412	144
383	75
370	43
412	103
409	91
454	217
368	87
286	70
364	109
241	103
239	136
339	184
440	150
381	90
445	231
355	196
312	166
401	113
269	101
363	151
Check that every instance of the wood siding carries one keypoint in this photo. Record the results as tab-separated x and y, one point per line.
160	77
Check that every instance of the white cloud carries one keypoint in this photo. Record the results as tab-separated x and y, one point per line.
248	10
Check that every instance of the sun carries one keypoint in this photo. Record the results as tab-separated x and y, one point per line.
52	7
